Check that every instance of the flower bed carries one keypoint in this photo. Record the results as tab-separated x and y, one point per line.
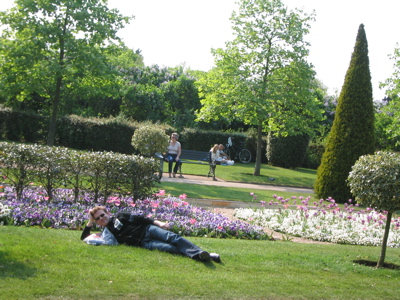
324	221
35	209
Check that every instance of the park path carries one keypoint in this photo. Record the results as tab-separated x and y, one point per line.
203	180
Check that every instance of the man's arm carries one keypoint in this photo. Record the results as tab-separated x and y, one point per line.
88	228
163	225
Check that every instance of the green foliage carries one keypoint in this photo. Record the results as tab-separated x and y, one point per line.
48	169
154	94
97	134
55	167
287	152
149	140
313	156
53	48
262	77
392	84
374	180
352	133
17	163
22	125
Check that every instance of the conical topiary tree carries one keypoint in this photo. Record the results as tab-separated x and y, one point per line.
352	133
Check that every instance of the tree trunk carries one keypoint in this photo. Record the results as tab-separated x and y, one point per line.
257	166
384	241
57	94
54	114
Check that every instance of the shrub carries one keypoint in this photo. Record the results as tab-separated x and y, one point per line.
375	182
53	167
17	164
149	140
287	152
352	134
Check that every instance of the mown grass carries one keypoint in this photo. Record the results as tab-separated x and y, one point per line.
244	173
304	178
197	191
47	264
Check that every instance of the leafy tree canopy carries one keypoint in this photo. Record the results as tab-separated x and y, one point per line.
52	47
263	77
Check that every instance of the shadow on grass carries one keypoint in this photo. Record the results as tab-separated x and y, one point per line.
370	263
13	268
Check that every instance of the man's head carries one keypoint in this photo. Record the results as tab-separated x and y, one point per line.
100	215
221	147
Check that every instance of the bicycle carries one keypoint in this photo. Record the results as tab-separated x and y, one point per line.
237	151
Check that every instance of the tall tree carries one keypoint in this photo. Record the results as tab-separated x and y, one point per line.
262	77
388	118
50	47
352	134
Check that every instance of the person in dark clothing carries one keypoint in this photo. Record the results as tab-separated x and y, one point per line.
141	231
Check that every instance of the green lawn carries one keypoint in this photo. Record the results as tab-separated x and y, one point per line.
242	173
48	264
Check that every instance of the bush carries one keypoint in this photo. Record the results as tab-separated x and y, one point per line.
54	167
287	152
313	156
149	140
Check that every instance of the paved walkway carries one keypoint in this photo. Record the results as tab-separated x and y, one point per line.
203	180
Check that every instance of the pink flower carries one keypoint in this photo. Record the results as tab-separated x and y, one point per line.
161	193
183	196
185	203
192	221
251	194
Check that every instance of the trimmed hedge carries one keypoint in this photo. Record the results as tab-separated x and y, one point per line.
287	152
107	134
57	167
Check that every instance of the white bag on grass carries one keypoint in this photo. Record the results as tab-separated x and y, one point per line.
105	238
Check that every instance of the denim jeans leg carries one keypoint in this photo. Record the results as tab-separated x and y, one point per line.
168	241
177	164
171	161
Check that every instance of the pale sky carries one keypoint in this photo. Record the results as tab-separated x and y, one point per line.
176	32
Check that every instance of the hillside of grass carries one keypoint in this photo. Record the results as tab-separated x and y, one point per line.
48	264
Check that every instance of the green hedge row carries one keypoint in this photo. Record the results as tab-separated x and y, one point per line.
115	134
57	167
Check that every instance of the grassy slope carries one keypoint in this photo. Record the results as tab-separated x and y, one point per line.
43	263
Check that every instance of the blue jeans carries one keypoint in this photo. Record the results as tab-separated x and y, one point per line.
160	239
171	160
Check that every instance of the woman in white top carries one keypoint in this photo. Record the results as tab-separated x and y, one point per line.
173	154
215	155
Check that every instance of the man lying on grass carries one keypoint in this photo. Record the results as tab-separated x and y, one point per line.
141	231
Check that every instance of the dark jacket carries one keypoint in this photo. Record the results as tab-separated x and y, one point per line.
128	229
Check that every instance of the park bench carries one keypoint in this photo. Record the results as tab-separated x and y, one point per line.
199	158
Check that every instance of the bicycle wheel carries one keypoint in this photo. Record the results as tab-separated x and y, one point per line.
244	156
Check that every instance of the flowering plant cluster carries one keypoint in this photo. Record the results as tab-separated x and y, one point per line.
323	221
35	209
5	213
